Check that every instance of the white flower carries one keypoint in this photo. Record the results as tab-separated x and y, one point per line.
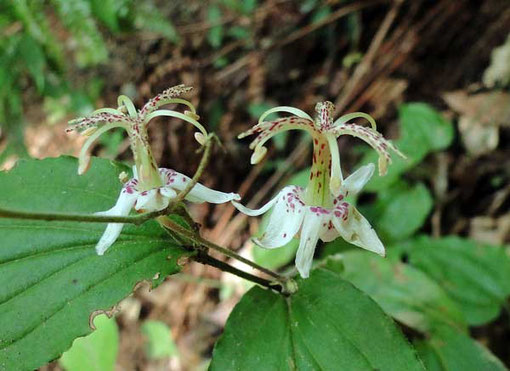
320	209
155	199
151	188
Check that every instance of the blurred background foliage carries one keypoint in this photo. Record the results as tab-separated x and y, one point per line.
435	75
44	43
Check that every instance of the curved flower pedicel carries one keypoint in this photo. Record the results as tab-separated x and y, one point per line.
320	209
150	189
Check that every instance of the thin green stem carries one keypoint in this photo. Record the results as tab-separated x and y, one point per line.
88	218
204	258
284	283
204	161
208	244
133	219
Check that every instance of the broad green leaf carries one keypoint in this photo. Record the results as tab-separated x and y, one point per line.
94	352
427	125
159	342
422	130
327	325
449	350
476	276
402	291
51	280
400	210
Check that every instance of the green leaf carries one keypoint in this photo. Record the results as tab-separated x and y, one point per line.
106	11
32	56
95	352
422	130
476	276
149	17
426	124
51	279
328	325
215	34
77	17
320	14
159	340
400	211
449	350
402	291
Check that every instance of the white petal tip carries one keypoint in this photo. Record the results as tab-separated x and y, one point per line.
200	138
82	168
258	155
304	275
381	252
235	197
383	164
101	249
89	131
193	115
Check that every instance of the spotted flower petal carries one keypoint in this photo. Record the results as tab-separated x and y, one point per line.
285	219
268	129
168	96
199	192
355	182
358	231
152	200
372	138
308	242
124	204
340	211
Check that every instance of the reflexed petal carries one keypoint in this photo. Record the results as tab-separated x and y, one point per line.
288	109
84	157
268	129
358	231
255	212
357	180
101	116
124	204
348	117
125	101
199	193
285	219
166	97
336	171
258	154
308	242
178	115
372	138
152	200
